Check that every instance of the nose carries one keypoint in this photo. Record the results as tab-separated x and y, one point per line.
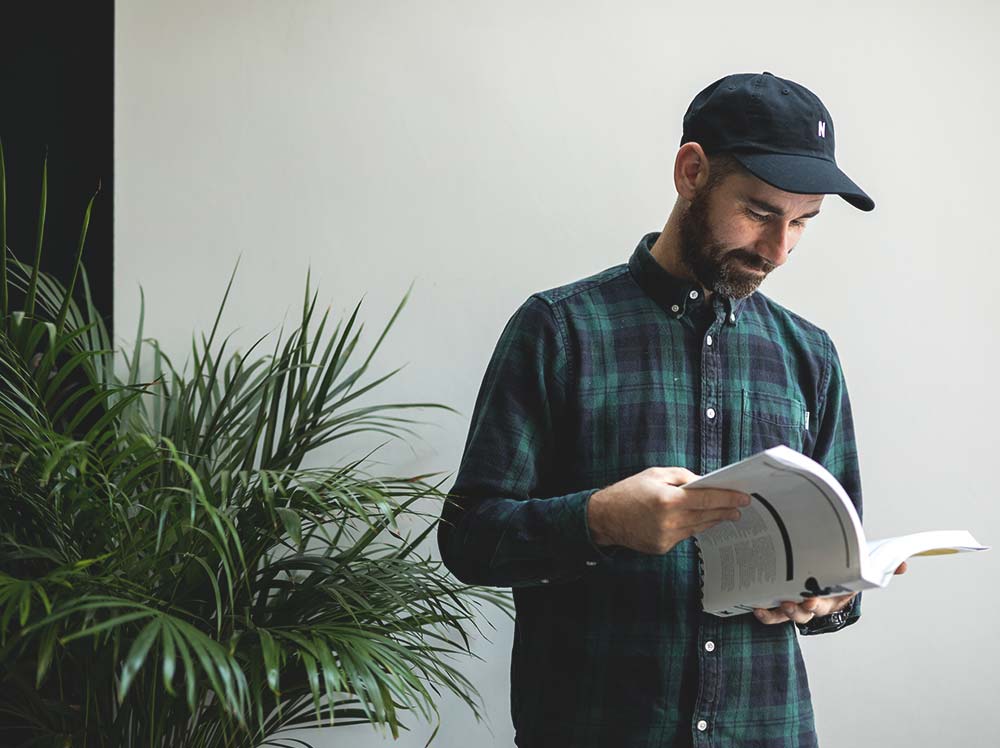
775	243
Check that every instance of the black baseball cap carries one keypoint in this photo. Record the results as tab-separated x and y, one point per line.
779	130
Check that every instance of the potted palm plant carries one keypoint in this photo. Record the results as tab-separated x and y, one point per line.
171	573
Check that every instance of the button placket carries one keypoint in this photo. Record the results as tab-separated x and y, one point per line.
709	377
710	664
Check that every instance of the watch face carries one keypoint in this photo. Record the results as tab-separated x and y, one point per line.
838	617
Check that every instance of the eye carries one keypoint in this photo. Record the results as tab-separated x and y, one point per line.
762	218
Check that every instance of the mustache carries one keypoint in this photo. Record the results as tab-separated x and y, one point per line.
753	260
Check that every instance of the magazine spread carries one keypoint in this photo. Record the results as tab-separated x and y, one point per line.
800	537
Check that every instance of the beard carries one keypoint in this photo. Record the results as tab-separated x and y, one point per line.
722	270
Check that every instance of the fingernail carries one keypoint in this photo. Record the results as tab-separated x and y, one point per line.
745	501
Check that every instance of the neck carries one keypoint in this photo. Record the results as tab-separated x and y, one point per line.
666	250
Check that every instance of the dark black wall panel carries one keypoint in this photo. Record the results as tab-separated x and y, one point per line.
57	94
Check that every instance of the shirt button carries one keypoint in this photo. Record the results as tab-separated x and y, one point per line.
545	581
693	294
709	646
710	412
702	725
708	340
675	308
732	317
591	563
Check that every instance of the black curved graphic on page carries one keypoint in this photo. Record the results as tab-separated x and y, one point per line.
813	589
784	534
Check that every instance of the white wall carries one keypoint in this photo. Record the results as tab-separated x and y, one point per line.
489	150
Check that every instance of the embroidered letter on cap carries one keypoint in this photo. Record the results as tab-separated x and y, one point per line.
822	129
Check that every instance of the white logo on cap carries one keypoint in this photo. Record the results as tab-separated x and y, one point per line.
821	131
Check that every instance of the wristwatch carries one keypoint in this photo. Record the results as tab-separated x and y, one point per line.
824	624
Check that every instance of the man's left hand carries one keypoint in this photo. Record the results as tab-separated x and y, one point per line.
808	609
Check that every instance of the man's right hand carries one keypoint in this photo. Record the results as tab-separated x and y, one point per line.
651	512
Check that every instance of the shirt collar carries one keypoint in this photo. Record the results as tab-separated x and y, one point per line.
676	295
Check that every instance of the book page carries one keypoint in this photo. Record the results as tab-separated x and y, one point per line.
887	554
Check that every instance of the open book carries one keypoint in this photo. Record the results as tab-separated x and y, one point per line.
800	537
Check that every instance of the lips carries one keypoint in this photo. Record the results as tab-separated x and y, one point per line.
748	266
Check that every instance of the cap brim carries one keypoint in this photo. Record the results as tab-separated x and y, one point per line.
805	175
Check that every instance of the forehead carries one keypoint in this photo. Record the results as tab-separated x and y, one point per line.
748	188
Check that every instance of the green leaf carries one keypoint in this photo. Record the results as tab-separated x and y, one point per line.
29	302
271	654
137	656
46	648
293	524
64	310
169	659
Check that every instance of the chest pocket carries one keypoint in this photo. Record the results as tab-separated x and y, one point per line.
768	420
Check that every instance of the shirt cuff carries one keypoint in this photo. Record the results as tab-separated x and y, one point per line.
575	528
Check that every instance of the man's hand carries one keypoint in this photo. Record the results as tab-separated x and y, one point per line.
807	610
650	512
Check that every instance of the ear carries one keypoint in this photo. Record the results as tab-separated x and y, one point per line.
690	170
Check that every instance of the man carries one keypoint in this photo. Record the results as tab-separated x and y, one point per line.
602	399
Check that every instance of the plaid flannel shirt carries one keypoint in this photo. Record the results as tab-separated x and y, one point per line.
592	382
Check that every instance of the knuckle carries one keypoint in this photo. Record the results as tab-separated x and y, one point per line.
673	473
664	500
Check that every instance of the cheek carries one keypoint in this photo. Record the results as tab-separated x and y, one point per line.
735	234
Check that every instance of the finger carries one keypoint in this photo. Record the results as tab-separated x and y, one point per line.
712	498
797	613
810	604
829	605
770	616
901	569
700	528
683	519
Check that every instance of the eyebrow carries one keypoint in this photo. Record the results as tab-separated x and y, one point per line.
766	206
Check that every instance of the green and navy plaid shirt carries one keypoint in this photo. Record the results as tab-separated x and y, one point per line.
592	382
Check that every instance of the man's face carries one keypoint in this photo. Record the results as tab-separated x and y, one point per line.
733	236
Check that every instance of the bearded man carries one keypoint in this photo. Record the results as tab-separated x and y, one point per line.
605	396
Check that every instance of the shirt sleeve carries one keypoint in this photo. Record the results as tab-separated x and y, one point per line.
495	528
835	449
